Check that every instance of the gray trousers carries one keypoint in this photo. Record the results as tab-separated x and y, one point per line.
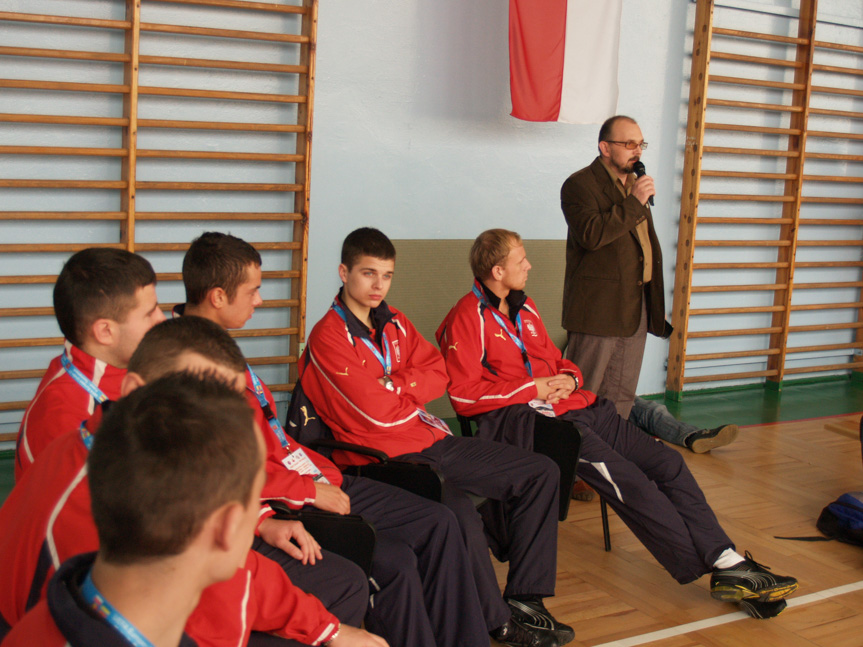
610	365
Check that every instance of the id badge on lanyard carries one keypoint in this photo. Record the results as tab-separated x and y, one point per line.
299	461
434	421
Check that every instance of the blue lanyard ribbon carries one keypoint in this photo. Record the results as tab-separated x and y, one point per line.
516	339
82	379
86	436
275	425
387	363
113	617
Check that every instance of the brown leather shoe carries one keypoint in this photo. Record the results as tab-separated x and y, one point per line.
581	491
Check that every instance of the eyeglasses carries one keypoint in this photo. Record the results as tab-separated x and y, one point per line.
630	145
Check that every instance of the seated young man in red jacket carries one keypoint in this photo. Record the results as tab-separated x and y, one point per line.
176	470
104	301
368	373
417	574
505	371
47	516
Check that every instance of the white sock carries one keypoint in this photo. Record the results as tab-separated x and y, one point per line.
728	558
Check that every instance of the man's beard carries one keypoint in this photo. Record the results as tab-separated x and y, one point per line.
627	168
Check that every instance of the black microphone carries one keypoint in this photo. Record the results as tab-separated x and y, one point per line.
639	170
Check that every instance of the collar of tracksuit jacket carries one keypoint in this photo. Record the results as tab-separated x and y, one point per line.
516	300
381	316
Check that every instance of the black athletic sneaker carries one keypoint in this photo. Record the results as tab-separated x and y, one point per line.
533	614
702	441
763	610
750	580
515	634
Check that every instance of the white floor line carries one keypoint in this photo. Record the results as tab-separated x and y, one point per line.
731	617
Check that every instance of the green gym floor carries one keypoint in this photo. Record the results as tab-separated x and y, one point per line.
706	409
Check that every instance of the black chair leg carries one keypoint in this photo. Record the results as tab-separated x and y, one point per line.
605	533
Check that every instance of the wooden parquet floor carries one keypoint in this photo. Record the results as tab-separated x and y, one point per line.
773	481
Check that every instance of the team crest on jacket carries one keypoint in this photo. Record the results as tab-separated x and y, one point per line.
396	351
531	328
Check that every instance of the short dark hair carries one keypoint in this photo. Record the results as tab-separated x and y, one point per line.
216	260
164	459
98	283
366	241
608	125
491	248
165	343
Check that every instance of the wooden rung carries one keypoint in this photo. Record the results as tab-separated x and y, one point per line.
182	247
209	215
749	287
725	220
217	94
734	311
745	197
8	437
264	332
18	405
281	388
758	60
744	243
31	342
241	4
32	279
834	156
823	367
219	155
760	152
30	248
739	266
838	70
825	327
63	184
829	243
220	125
178	276
63	215
68	54
705	334
823	89
207	63
275	359
836	113
812	199
728	376
215	186
840	46
736	353
64	20
752	129
736	33
830	221
760	83
826	306
776	107
818	286
22	375
70	120
831	135
828	264
749	176
25	84
223	33
63	150
823	347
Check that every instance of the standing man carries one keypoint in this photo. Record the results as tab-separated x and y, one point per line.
613	293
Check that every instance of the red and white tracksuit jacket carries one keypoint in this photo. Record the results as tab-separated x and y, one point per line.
284	484
47	519
60	404
486	368
340	375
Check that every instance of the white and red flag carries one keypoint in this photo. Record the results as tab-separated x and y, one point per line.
563	57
